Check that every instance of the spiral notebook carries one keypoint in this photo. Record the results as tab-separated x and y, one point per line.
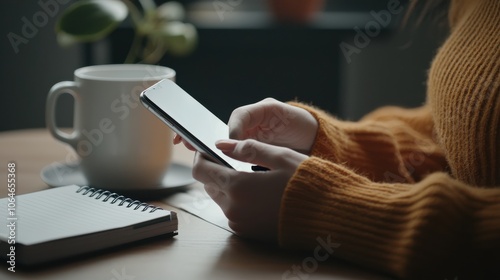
62	222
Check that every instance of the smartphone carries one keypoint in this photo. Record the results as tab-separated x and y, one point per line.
191	120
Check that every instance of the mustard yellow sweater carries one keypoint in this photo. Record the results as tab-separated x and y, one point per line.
413	192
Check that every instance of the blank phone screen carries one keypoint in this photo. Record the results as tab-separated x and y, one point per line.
180	110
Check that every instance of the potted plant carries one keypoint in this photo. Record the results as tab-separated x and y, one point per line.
157	29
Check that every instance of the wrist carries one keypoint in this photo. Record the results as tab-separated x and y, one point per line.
310	131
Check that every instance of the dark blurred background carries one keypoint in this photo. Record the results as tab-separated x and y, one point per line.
240	59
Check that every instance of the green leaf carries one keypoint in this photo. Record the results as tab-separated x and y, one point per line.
171	11
87	21
180	38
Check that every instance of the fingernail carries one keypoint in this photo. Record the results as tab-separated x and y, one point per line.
176	139
226	145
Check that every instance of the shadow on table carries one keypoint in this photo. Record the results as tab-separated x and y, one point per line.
271	260
136	248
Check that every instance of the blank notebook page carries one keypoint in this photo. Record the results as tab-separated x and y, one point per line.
62	212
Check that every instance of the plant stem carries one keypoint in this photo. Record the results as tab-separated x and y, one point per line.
138	22
155	51
149	7
134	48
135	14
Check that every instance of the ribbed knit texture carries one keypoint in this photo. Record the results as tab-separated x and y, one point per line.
413	192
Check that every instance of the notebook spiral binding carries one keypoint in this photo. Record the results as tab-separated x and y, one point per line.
99	193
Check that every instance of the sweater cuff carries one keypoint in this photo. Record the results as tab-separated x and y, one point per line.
330	142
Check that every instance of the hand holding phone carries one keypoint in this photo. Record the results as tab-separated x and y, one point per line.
191	120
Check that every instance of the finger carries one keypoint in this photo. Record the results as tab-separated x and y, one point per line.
216	194
189	146
177	139
248	117
244	118
211	173
253	151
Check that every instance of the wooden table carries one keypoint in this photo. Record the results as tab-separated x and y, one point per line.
200	251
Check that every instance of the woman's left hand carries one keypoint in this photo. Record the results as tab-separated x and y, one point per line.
250	201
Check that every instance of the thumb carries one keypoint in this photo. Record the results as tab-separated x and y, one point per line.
252	151
245	118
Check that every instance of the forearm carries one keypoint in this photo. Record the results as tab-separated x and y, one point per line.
429	228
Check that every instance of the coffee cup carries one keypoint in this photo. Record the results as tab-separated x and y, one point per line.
119	143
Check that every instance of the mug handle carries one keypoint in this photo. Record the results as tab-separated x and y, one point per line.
50	112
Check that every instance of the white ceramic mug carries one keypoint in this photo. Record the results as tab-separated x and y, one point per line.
120	144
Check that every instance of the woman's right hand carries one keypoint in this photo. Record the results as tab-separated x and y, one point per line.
272	122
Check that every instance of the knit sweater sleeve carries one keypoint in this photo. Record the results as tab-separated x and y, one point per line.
389	145
430	224
375	192
437	228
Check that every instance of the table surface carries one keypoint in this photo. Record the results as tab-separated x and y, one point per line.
200	251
